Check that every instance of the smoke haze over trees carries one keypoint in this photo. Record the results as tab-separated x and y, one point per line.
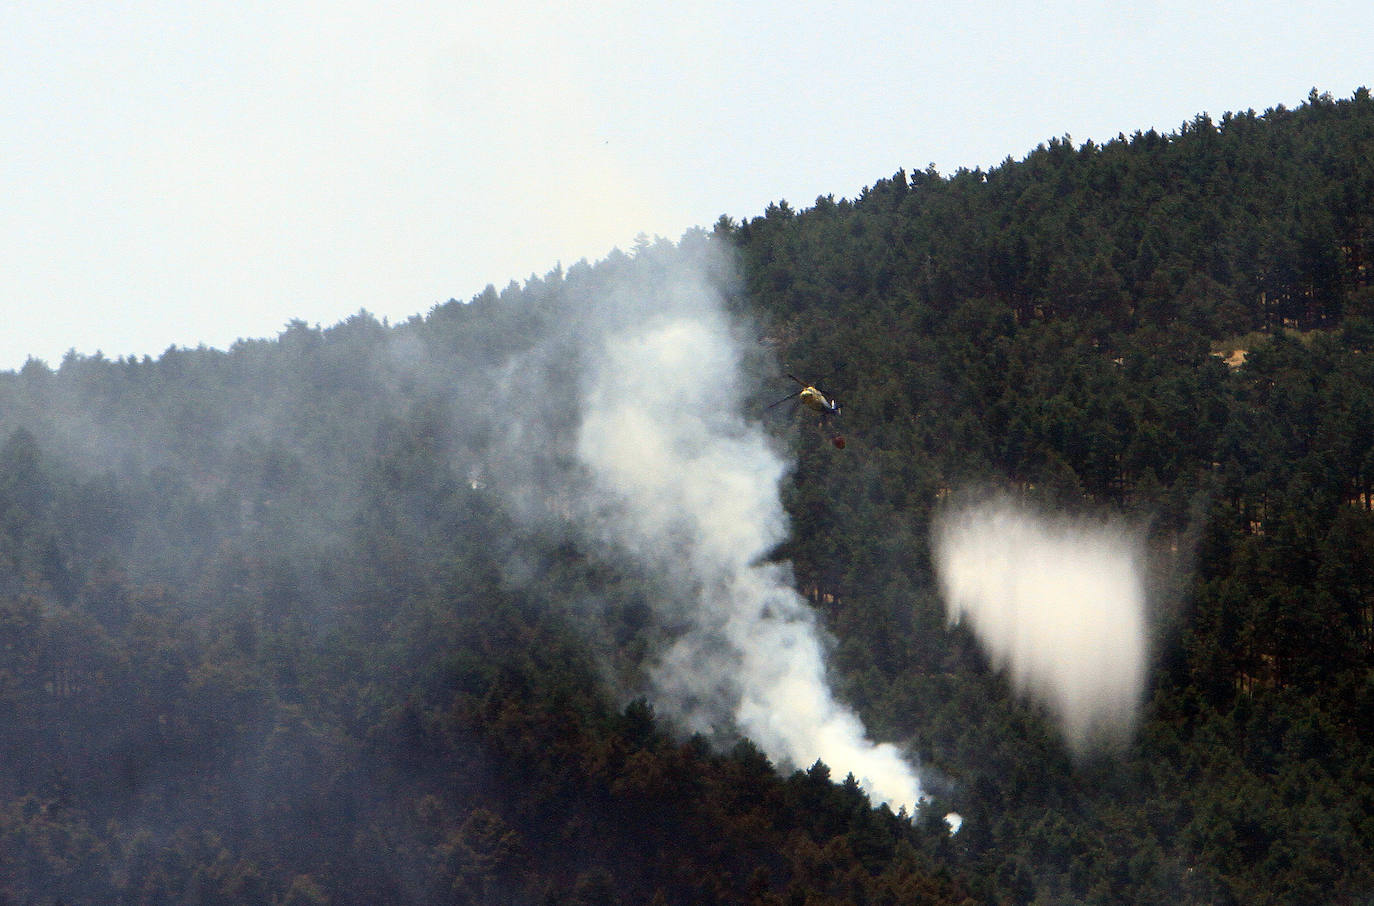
351	615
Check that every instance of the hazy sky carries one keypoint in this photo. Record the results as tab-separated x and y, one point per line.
180	173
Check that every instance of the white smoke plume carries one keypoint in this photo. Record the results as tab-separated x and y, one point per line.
670	473
1059	603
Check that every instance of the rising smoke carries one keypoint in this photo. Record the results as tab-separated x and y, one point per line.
668	474
1059	603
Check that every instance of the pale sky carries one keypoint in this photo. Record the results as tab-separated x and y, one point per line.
178	173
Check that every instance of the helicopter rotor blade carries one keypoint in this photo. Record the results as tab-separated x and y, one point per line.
822	379
781	401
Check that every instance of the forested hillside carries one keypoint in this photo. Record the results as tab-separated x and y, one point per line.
302	621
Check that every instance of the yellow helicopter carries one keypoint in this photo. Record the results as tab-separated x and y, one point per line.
817	402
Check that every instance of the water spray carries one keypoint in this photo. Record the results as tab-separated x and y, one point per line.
1059	603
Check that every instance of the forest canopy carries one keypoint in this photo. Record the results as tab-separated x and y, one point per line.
277	624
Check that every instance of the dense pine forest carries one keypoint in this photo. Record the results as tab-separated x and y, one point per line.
303	621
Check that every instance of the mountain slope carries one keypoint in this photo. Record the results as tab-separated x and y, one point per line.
304	620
